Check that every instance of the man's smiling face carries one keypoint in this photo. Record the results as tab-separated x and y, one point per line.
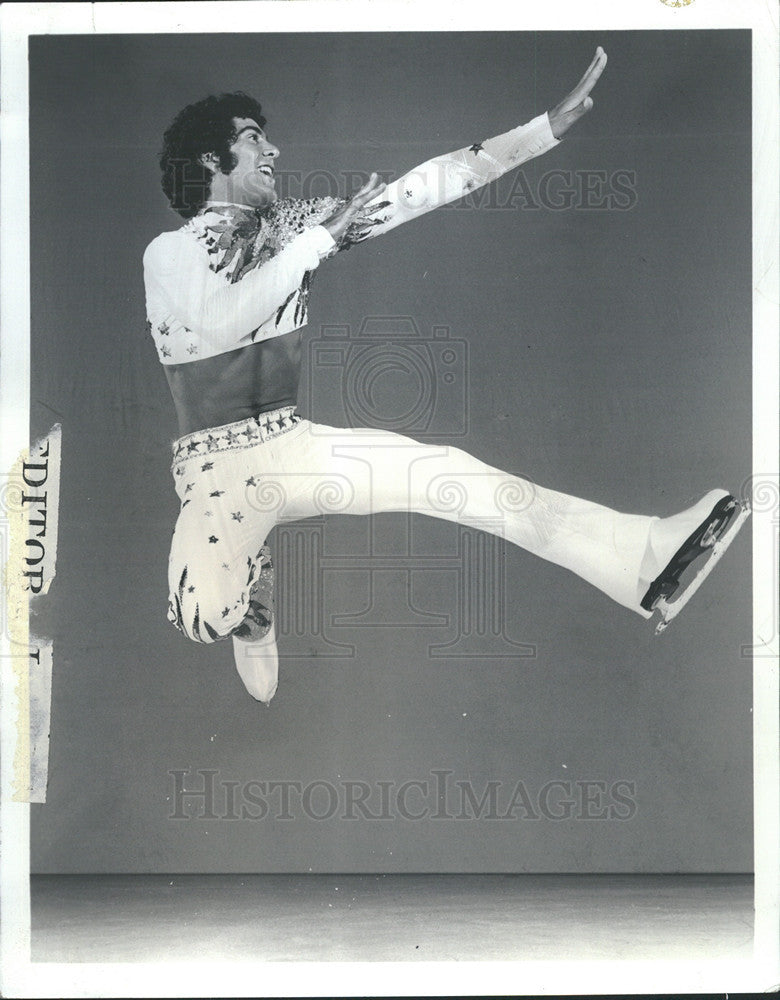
251	181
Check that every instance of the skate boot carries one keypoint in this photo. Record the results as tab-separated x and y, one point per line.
257	663
709	527
254	641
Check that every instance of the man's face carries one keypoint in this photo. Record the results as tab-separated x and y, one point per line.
251	181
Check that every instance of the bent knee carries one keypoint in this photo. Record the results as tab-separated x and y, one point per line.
209	607
206	618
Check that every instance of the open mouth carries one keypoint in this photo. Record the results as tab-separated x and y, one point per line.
268	171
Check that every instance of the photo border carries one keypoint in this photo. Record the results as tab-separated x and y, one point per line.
20	977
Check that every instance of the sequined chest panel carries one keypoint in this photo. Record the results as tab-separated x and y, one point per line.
238	240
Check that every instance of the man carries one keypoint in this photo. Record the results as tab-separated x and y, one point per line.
226	301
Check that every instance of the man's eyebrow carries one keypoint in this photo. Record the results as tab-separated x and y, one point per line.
250	128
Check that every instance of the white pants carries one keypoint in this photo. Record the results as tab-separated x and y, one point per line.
236	482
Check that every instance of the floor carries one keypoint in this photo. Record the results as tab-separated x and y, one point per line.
148	918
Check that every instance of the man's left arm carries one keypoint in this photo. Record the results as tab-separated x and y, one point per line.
447	178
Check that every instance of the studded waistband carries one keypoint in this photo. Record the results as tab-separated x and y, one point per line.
240	434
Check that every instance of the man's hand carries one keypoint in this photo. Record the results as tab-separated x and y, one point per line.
352	213
578	102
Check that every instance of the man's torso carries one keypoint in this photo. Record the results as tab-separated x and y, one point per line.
238	384
231	384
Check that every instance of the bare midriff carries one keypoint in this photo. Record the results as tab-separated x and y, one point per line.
236	385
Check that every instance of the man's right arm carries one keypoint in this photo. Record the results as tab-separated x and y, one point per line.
220	313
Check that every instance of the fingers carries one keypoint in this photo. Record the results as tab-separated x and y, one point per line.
351	214
356	204
370	189
589	79
578	102
592	73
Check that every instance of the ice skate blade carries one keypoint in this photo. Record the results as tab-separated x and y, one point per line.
669	611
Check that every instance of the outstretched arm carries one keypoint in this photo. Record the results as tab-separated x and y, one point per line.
378	208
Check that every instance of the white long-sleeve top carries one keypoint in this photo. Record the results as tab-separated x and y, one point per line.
232	276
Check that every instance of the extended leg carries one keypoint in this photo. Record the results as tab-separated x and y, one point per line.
361	472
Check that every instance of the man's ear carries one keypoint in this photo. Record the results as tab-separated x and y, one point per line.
210	161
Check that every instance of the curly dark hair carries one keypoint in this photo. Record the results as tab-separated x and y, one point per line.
204	127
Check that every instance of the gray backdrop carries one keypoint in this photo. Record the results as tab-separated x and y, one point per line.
601	351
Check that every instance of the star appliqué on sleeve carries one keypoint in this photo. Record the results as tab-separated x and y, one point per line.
206	466
213	539
476	148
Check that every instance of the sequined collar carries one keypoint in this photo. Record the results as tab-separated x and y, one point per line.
243	219
239	238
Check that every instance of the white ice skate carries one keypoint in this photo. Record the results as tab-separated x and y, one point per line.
254	641
714	534
257	663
